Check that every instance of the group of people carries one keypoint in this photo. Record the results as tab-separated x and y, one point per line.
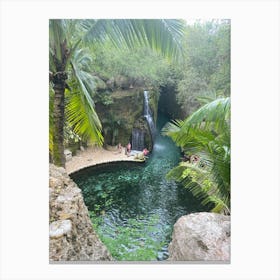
145	151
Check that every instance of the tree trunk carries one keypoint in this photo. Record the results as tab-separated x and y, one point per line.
58	114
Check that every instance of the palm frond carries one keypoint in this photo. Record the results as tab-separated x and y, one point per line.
80	112
206	123
72	52
79	63
215	112
56	38
198	181
205	133
220	205
82	117
172	128
162	35
207	97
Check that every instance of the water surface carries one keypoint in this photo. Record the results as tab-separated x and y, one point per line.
137	196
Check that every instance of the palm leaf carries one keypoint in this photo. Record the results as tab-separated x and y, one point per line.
56	38
206	133
194	178
85	80
216	112
80	112
207	97
82	117
212	118
162	35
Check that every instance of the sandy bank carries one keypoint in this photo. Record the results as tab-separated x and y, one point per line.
94	155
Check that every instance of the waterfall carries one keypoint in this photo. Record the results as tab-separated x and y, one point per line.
138	134
148	115
137	139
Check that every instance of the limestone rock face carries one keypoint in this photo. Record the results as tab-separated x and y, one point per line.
201	237
71	236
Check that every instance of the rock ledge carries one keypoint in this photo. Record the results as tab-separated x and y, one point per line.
71	236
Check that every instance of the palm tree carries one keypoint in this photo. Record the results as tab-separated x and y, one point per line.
65	38
206	133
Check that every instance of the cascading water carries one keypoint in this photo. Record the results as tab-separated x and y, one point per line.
148	115
138	134
137	139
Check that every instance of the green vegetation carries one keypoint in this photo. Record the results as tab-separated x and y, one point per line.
133	242
203	78
205	133
70	60
92	59
205	72
141	67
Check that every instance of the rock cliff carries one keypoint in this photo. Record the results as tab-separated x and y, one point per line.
201	237
71	236
124	114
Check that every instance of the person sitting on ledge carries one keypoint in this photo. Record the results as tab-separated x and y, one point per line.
145	151
128	149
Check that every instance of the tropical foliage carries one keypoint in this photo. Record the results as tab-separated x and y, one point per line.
70	67
206	134
139	67
205	70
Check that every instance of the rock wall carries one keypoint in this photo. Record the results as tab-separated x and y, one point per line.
124	114
201	237
71	236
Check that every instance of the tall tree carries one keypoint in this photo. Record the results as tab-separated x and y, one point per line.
66	36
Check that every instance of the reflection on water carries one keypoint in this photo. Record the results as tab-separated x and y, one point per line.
125	191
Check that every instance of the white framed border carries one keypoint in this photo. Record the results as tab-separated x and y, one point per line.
24	138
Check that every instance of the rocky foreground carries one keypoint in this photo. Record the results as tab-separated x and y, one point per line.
71	236
201	237
196	237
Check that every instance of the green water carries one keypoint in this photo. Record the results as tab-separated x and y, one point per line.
133	207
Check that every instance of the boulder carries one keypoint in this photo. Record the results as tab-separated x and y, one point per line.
201	237
68	155
71	235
